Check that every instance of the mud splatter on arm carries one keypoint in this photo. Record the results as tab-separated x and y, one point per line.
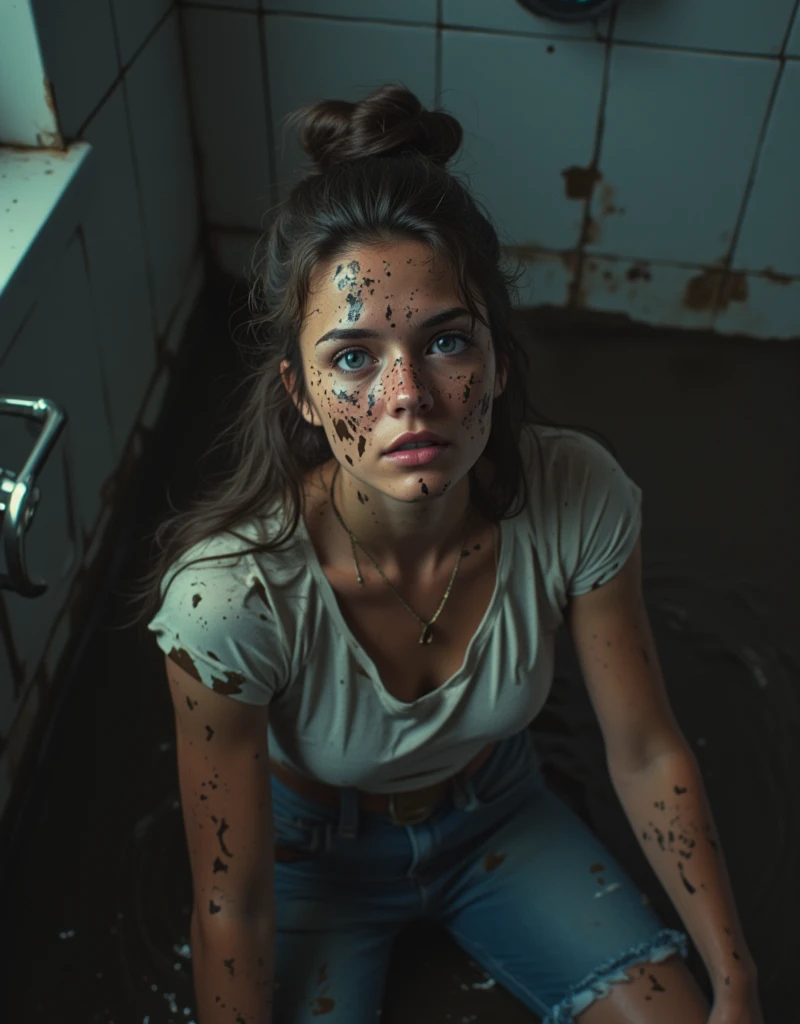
226	801
667	807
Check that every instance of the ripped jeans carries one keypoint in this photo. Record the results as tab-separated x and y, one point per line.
503	865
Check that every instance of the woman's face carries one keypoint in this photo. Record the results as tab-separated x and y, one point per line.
403	376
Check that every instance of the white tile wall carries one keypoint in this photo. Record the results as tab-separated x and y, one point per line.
736	26
680	136
771	227
528	115
655	293
134	20
423	11
165	162
131	273
241	5
547	280
769	308
77	42
793	43
235	164
117	259
305	61
56	354
681	131
513	17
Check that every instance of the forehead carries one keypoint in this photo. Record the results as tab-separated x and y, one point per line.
403	271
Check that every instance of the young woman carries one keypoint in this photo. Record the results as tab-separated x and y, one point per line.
359	626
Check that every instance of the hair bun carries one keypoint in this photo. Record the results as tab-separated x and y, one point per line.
387	122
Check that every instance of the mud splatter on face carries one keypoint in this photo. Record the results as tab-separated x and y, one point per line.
342	431
347	278
343	396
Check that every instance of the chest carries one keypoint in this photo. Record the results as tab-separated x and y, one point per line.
390	634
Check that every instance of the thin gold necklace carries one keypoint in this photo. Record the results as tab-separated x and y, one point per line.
426	636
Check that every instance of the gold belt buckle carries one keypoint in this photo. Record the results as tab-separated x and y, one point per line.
409	811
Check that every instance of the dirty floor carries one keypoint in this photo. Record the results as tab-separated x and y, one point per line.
97	890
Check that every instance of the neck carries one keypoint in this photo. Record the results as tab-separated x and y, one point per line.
409	540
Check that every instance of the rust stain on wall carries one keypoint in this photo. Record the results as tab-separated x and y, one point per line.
579	181
50	97
713	289
775	277
592	231
700	292
571	260
639	272
734	289
49	142
607	196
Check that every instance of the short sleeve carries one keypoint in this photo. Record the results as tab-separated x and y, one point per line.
217	623
601	514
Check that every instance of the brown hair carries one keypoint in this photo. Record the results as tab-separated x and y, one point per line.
378	174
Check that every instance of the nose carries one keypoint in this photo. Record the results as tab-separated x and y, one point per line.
406	389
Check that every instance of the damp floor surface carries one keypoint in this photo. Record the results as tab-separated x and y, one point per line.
97	892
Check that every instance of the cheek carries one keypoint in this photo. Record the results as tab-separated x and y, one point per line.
472	393
473	396
347	412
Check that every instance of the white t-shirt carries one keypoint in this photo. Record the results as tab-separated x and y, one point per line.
269	631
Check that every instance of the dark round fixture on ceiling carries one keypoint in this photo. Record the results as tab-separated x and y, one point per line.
569	10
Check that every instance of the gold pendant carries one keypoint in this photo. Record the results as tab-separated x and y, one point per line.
426	636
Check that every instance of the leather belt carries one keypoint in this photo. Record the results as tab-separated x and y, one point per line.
409	807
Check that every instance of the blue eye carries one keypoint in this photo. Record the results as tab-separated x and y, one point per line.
350	369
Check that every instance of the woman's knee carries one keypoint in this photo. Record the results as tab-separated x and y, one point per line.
657	993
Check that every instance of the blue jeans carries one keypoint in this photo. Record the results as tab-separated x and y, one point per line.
511	873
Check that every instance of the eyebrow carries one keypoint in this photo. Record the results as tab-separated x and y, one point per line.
359	332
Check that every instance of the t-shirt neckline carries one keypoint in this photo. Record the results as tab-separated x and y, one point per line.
462	673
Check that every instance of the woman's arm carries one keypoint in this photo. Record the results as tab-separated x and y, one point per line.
653	769
226	796
667	807
232	967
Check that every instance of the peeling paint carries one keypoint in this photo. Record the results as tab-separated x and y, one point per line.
50	142
734	289
607	196
50	97
775	277
700	292
639	272
571	260
579	181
